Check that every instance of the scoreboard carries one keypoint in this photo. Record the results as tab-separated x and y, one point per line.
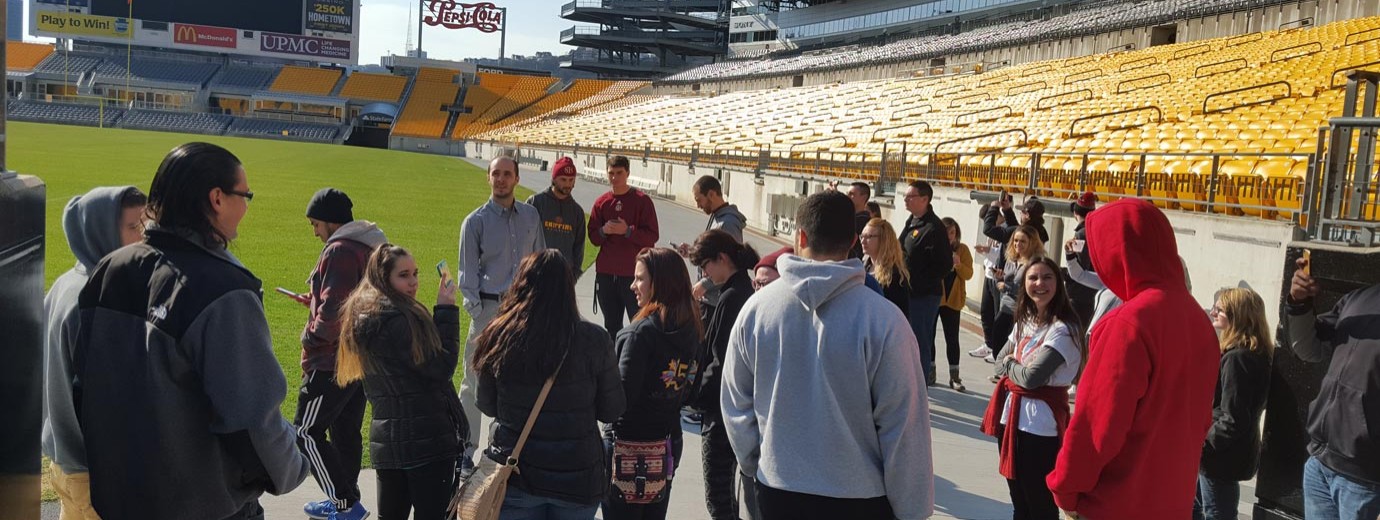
324	31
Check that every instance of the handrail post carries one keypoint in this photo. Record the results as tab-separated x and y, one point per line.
1140	177
1212	182
1083	174
1034	173
904	145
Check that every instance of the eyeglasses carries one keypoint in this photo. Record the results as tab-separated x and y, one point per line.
248	195
1215	310
869	236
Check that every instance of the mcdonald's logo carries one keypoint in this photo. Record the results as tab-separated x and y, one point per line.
203	35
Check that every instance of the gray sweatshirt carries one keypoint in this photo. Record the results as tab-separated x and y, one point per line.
818	365
92	225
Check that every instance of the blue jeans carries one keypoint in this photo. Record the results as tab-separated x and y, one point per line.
1217	499
924	316
521	505
1328	495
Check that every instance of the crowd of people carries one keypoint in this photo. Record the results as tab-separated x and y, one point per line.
162	391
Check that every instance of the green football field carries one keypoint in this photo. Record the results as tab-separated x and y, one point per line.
418	200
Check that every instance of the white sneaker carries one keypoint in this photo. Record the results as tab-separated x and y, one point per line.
990	359
982	351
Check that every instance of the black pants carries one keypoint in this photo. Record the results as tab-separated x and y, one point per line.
1001	331
1030	496
788	505
991	305
425	490
720	467
616	509
323	406
615	298
949	319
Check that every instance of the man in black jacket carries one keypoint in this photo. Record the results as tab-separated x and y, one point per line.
925	242
177	389
859	193
1341	480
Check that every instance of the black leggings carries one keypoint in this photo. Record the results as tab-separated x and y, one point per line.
615	297
949	319
991	305
1001	331
425	490
788	505
1030	496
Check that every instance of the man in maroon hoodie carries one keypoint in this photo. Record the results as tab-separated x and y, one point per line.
622	223
1145	400
323	406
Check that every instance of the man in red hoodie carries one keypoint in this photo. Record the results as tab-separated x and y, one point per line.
1145	400
621	223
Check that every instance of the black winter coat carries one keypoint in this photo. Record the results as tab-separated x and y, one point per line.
417	415
1232	448
658	368
929	258
564	456
734	295
1000	232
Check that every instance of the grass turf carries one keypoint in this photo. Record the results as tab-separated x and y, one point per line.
418	200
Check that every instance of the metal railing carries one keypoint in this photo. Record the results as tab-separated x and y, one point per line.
1341	195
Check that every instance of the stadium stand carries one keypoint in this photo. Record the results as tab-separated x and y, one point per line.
306	80
85	115
243	78
364	86
280	129
213	124
22	56
1098	18
67	63
496	96
158	71
1249	106
425	113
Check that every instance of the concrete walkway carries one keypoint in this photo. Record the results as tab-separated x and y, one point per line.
967	485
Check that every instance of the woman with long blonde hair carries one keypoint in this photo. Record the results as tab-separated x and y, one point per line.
1231	451
406	358
884	260
1024	247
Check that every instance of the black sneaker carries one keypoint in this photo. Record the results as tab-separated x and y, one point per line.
691	416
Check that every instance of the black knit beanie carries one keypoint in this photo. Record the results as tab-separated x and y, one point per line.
330	205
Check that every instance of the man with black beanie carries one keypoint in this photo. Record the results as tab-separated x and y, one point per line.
322	405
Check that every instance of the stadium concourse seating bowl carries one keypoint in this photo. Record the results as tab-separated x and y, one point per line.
201	123
1231	121
85	115
280	129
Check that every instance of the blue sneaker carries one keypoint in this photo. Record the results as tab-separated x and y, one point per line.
321	510
357	512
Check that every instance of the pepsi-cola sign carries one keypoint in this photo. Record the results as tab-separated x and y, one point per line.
483	16
304	45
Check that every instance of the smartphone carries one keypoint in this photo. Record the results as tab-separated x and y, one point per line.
1078	245
1308	262
288	293
444	272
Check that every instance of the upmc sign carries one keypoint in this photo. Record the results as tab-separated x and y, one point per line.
304	45
203	35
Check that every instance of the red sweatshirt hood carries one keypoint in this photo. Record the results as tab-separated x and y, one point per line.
1132	247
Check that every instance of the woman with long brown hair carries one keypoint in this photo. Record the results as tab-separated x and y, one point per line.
1024	246
538	334
1231	450
955	298
658	357
406	358
1029	409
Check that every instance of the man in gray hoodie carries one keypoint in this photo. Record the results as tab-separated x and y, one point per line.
709	197
96	224
818	363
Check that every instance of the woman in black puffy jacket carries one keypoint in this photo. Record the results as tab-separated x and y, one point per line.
562	471
658	360
406	358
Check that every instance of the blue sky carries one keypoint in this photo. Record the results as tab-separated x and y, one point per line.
533	26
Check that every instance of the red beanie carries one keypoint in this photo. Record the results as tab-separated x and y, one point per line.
770	260
564	167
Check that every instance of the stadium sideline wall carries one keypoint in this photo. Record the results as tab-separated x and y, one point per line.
1219	251
1231	24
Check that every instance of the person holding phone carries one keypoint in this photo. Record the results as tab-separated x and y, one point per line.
1339	481
329	415
493	239
405	358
